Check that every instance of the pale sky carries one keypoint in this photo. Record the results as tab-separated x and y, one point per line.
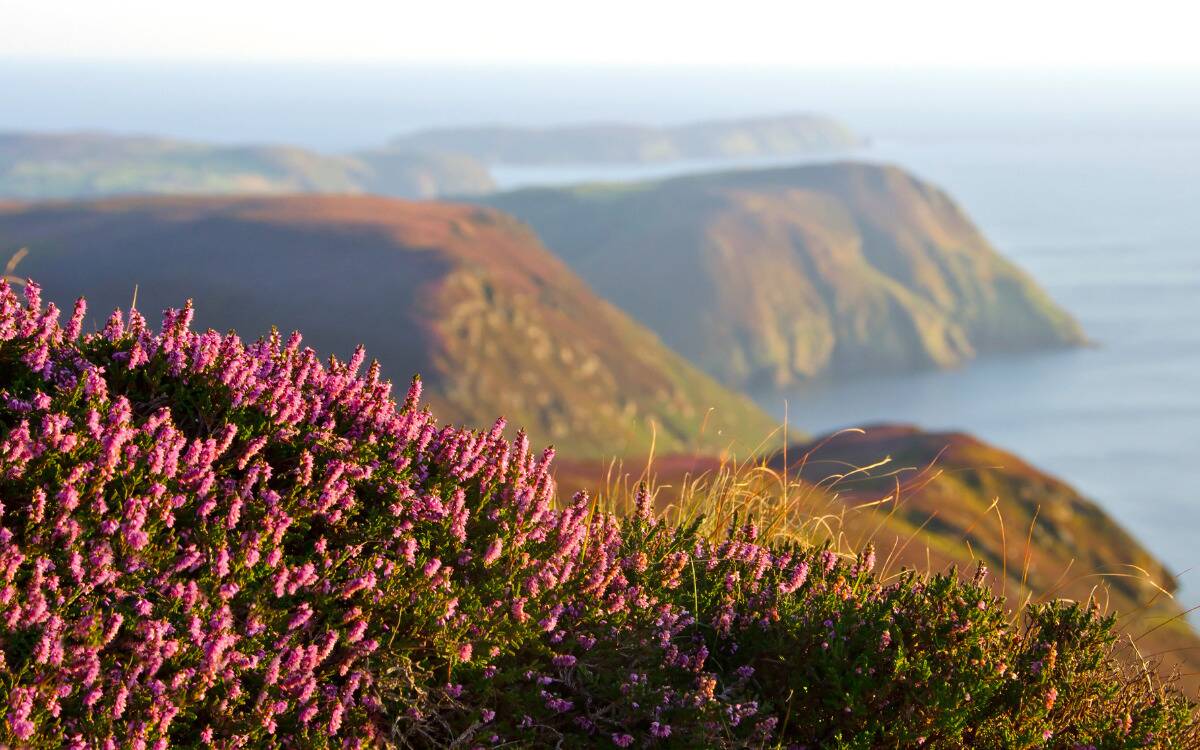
998	33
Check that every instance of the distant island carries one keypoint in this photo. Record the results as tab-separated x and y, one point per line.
35	166
769	278
781	135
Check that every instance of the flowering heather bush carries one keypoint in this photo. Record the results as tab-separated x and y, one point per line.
205	542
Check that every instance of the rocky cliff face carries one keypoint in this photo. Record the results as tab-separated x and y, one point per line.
772	277
465	296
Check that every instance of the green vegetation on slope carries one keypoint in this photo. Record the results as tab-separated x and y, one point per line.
768	278
466	296
80	165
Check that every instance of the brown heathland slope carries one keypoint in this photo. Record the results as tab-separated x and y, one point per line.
465	296
770	277
942	500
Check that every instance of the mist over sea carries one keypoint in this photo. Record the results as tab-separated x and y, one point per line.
1087	180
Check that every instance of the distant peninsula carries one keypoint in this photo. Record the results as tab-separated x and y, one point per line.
768	278
38	166
585	143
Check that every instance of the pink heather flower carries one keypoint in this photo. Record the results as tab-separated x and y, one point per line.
118	704
643	504
75	325
828	560
518	610
307	714
20	708
303	613
252	449
558	705
563	661
622	740
362	583
795	579
867	561
493	551
335	719
464	652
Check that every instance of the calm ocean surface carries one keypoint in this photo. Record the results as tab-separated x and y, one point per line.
1090	182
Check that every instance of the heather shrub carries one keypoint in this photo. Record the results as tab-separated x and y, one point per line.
208	542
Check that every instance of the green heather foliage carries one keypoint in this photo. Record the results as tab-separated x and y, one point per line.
206	542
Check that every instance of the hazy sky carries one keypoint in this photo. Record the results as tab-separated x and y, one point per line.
828	32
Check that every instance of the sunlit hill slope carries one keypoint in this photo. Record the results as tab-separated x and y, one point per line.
466	296
769	278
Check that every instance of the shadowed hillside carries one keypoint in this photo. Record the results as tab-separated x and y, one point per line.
465	296
929	501
74	165
768	278
626	143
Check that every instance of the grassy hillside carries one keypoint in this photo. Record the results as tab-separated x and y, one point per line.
76	165
930	501
212	542
466	296
962	500
627	143
768	278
